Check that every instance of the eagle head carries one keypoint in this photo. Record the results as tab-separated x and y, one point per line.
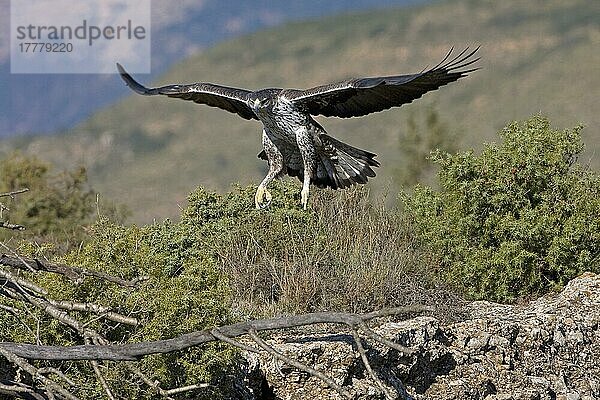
263	100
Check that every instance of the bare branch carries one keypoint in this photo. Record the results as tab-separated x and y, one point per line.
95	308
101	379
73	273
22	284
18	390
43	305
134	351
14	227
50	385
18	257
9	309
6	224
187	388
367	364
14	192
217	334
153	384
282	357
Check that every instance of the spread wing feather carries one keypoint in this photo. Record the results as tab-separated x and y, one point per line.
224	97
361	96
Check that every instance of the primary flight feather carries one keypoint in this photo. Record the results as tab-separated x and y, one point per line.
293	142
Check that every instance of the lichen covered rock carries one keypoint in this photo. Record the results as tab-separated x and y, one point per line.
546	349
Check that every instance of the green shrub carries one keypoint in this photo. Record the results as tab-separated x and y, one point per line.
425	130
184	291
56	207
519	219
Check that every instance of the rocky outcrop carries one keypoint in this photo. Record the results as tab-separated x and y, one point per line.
546	349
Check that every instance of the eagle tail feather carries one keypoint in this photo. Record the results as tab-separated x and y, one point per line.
340	165
347	165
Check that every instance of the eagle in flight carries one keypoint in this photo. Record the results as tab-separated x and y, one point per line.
293	142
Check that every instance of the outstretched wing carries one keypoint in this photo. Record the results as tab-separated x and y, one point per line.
362	96
227	98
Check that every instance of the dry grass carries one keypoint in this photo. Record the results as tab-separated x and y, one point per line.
355	255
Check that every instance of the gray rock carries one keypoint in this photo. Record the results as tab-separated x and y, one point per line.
546	349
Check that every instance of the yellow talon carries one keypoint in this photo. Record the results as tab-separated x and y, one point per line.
262	193
304	195
258	197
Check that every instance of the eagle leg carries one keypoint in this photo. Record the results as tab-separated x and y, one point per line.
275	167
307	150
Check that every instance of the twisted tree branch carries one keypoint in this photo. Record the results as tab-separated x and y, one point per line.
6	224
134	351
49	384
367	364
290	361
21	391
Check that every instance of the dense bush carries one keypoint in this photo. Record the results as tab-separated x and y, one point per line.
184	291
519	219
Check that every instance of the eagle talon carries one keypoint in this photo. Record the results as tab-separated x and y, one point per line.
304	200
262	193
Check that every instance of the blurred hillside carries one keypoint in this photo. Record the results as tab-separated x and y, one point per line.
45	103
537	56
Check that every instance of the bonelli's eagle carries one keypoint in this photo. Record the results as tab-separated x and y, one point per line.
293	142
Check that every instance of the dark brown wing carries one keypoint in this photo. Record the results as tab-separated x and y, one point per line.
227	98
361	96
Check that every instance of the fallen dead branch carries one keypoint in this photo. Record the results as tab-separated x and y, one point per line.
134	351
6	224
14	192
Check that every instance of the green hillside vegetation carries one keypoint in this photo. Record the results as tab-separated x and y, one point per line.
536	56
